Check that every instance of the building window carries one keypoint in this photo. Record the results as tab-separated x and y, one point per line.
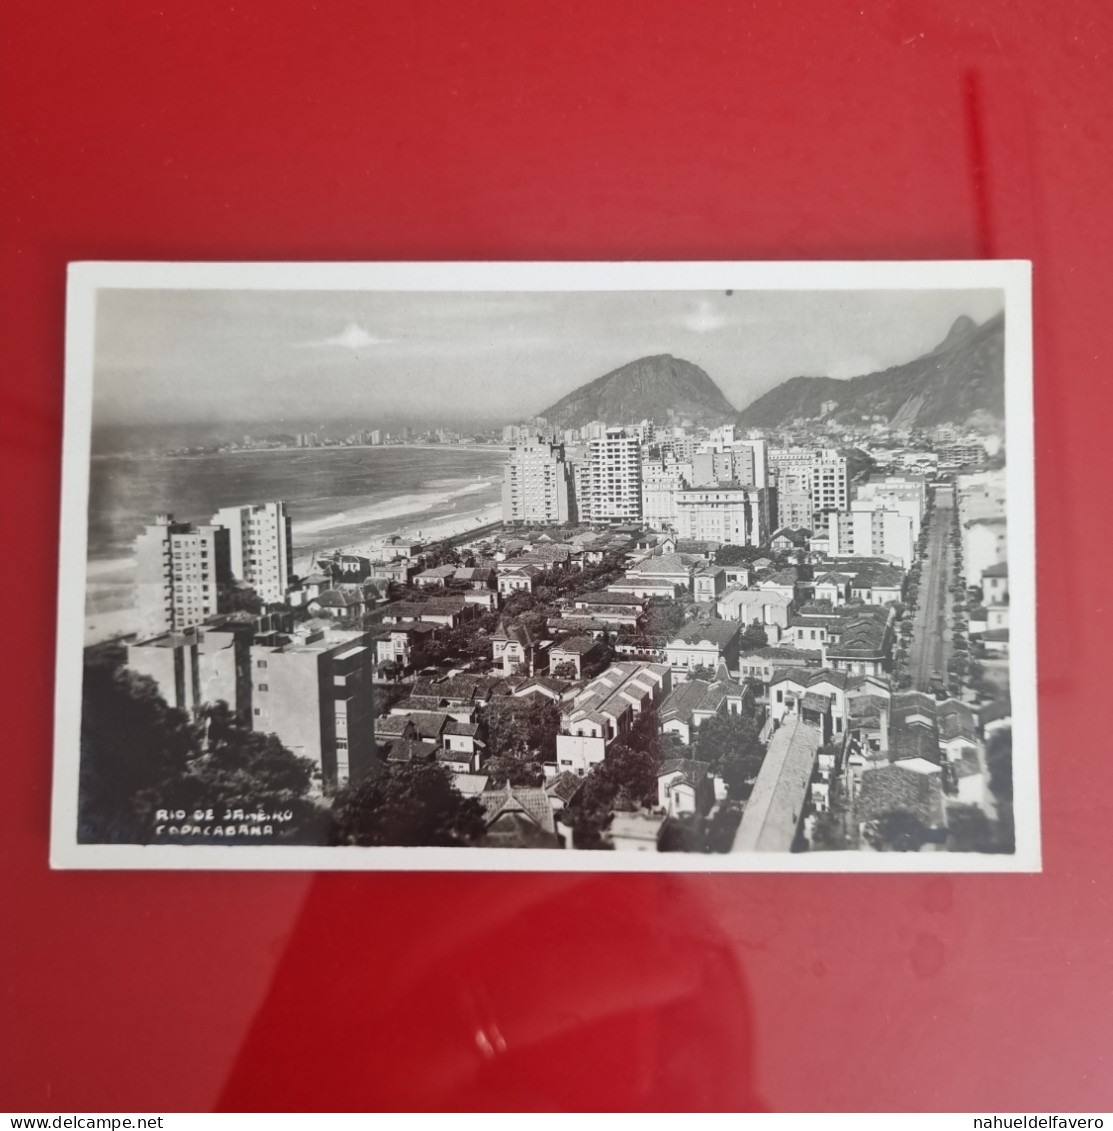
264	687
260	663
258	711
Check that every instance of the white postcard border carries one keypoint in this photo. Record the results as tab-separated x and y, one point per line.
1013	277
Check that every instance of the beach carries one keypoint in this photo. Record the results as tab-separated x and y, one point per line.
345	500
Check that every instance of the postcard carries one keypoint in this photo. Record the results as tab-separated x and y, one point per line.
715	567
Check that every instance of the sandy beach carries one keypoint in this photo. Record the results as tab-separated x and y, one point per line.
380	548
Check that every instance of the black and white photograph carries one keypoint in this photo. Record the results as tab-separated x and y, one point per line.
658	566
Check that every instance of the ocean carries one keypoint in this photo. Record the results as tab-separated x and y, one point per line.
335	496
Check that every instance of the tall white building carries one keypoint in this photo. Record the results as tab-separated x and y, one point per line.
830	488
182	574
820	475
866	531
260	546
662	478
738	461
738	516
611	479
537	483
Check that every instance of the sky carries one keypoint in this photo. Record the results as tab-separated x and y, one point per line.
179	356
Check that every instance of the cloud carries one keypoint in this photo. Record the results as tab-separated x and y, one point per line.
352	337
703	319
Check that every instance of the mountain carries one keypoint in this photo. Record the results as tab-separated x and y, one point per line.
664	389
961	381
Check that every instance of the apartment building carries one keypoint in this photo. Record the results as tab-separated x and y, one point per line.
611	479
315	695
537	483
726	513
182	574
260	546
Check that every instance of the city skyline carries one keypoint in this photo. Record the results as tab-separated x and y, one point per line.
269	357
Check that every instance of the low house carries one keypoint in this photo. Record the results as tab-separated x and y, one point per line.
449	612
833	587
783	582
435	578
692	702
400	571
606	710
520	579
914	787
709	582
518	650
535	687
667	575
482	598
698	548
405	644
563	790
958	730
749	605
518	817
703	644
579	651
995	584
808	632
789	538
347	602
764	664
819	696
685	786
612	608
482	578
863	644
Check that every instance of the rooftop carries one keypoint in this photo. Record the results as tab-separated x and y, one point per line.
887	789
772	814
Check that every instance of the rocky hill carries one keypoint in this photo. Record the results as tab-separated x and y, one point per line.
664	389
961	381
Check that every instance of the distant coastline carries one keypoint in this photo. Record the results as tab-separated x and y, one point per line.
147	454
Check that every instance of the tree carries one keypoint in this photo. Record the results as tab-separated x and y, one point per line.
723	738
523	728
665	618
999	760
896	831
239	598
753	637
969	830
139	755
131	743
828	834
566	669
407	803
516	771
633	773
738	555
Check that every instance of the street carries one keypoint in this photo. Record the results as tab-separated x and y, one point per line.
931	625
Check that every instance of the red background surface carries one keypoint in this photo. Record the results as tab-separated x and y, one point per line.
277	129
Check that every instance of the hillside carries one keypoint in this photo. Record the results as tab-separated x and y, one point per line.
961	381
664	389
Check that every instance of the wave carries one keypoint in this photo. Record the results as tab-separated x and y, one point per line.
399	507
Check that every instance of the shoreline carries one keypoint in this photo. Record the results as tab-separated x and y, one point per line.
450	526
